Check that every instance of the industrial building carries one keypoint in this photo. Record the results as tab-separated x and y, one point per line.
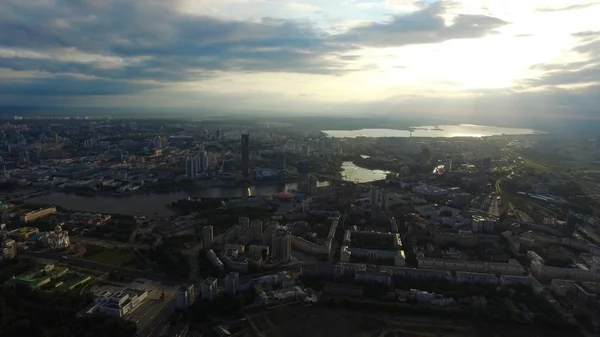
38	214
483	224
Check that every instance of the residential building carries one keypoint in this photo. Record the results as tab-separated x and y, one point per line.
381	277
475	278
540	270
232	282
506	280
208	288
511	268
281	247
9	249
185	297
214	259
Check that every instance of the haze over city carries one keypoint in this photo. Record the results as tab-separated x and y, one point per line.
464	58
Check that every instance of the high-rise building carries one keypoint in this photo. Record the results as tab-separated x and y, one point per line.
202	159
374	198
570	224
486	163
384	200
448	164
257	229
207	236
280	164
312	185
191	168
208	288
281	245
245	154
306	150
244	223
231	282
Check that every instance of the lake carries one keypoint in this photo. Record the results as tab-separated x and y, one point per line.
351	172
462	130
149	204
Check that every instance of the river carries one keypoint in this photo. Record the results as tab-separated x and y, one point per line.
149	204
462	130
154	204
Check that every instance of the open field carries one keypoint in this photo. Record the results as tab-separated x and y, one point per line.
122	257
318	321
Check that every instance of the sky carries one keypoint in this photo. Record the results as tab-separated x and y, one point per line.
450	58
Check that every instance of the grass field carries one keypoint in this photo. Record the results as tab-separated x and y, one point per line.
123	257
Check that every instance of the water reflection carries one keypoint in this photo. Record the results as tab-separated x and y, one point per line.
462	130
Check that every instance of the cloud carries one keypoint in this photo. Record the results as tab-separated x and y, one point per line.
164	43
567	8
583	72
421	27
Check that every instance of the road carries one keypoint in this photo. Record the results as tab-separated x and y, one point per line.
108	243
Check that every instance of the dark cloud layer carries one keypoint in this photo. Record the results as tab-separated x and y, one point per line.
157	43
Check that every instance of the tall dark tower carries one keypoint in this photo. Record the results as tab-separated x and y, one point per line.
570	224
245	153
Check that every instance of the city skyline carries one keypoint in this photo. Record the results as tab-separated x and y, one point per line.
446	58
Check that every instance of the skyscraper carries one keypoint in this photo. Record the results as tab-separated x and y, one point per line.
245	153
570	224
208	236
191	168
